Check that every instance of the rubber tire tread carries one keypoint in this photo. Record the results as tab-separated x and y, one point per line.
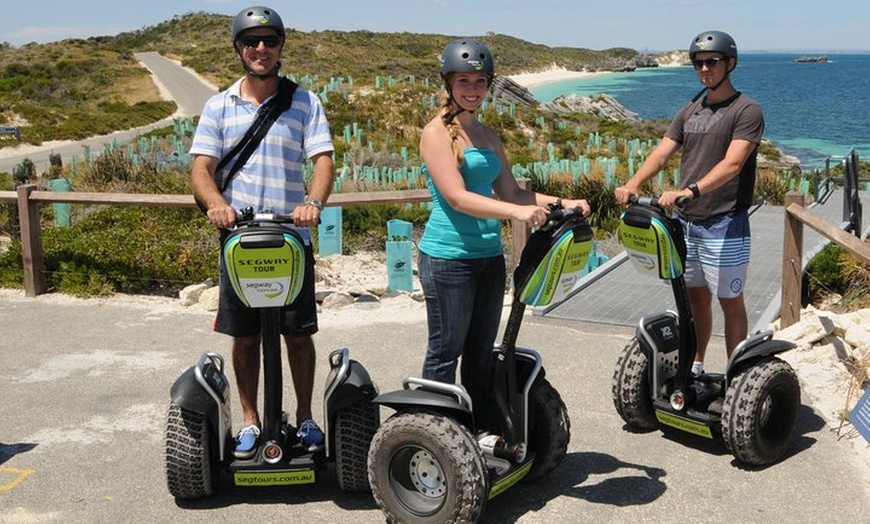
459	456
551	432
743	401
355	426
188	458
631	390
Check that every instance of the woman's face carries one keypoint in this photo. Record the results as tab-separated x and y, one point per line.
469	89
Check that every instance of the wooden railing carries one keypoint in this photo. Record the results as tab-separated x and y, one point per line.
796	216
29	198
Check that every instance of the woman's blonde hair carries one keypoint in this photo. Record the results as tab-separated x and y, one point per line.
448	118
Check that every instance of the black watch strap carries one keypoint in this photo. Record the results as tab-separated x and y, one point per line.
693	187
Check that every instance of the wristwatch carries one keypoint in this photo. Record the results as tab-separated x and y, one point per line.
696	192
316	203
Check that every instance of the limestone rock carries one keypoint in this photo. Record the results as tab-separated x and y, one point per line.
810	329
208	299
190	295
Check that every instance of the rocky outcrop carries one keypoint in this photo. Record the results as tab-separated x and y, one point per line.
832	360
340	280
671	58
508	91
602	105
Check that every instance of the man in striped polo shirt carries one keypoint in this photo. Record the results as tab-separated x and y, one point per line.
271	179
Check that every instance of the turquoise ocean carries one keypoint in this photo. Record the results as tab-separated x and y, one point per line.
812	110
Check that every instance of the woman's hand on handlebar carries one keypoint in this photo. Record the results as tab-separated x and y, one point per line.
584	206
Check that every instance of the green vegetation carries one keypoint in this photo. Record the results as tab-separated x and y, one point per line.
75	89
71	89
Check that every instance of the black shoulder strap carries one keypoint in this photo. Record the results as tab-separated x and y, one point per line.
266	116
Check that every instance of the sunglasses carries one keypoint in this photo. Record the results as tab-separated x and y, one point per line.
711	63
254	41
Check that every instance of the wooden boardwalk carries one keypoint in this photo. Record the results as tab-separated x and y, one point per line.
622	295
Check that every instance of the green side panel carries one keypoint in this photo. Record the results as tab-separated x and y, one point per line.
651	249
557	272
266	276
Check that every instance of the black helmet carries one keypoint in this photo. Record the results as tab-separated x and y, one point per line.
257	16
713	41
466	56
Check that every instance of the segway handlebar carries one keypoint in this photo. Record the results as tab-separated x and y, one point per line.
653	201
249	216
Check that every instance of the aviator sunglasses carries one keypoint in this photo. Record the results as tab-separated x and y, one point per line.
254	41
711	63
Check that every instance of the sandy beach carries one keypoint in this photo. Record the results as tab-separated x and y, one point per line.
552	75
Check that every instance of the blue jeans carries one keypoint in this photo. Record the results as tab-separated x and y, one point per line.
464	301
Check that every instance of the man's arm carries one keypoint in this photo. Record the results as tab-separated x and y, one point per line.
321	184
219	212
654	163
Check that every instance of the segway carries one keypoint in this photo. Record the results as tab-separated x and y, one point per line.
753	406
433	461
265	261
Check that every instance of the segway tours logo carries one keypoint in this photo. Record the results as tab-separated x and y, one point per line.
268	289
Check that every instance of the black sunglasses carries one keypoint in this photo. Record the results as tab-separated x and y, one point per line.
254	41
711	63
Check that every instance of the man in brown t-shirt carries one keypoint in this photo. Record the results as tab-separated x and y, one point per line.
718	133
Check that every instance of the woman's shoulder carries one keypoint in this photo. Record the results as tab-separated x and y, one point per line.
435	129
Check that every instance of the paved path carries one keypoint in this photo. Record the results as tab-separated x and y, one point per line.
85	385
624	295
175	83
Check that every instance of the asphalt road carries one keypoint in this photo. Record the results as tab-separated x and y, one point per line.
174	82
85	385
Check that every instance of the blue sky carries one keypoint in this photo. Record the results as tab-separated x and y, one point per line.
645	25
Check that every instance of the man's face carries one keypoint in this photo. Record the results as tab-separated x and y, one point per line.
260	48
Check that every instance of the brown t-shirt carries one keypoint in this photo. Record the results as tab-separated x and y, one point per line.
705	132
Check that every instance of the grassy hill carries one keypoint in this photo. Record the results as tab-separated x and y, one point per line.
77	88
202	42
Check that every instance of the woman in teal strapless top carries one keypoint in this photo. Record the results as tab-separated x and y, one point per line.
461	260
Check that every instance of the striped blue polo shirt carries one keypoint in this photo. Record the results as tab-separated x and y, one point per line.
272	178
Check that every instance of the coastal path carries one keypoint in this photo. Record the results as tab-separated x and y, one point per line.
175	82
620	295
85	388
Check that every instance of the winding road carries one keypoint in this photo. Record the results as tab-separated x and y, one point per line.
186	88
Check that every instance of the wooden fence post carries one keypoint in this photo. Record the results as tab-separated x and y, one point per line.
792	264
31	243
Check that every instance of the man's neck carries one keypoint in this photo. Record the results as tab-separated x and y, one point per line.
256	89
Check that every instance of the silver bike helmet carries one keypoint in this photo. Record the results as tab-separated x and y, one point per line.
257	16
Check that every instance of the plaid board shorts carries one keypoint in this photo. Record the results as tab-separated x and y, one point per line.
718	253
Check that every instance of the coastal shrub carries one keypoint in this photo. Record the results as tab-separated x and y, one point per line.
131	250
365	227
11	268
824	273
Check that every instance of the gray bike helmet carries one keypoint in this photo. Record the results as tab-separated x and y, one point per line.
713	41
466	56
257	16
